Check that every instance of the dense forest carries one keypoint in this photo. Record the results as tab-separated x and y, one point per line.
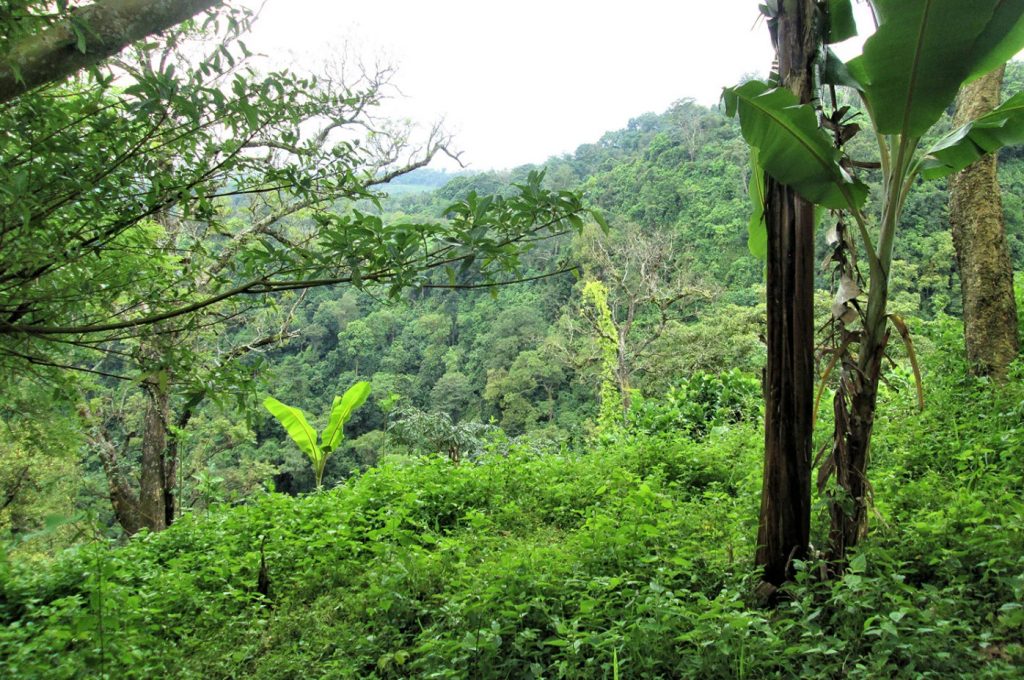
733	391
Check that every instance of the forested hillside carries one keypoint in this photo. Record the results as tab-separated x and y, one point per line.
523	361
550	457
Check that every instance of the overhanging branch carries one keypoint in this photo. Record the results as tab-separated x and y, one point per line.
103	29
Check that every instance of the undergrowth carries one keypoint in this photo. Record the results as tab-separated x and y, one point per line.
631	558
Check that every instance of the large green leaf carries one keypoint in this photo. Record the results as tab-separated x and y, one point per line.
836	72
1004	126
341	411
757	229
923	50
841	24
294	422
790	145
1006	14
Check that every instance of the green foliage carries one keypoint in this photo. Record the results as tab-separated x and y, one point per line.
909	73
914	64
757	229
1004	126
790	145
700	404
527	391
39	470
595	295
566	565
426	433
536	556
319	448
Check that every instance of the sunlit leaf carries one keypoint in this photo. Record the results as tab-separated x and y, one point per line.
294	422
341	411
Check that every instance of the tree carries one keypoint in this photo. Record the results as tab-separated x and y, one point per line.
453	393
40	46
909	73
136	427
39	467
139	215
785	520
635	286
425	433
525	392
194	132
982	254
182	365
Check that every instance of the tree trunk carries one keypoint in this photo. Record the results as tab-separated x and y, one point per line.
982	255
153	482
106	27
172	459
622	370
784	528
854	408
122	498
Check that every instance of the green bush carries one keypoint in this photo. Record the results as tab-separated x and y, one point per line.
701	403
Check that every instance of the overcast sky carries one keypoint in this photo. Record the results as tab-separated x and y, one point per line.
520	81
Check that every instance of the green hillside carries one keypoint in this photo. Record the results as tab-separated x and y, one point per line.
630	556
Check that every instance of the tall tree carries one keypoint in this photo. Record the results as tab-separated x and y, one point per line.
637	284
135	217
982	254
785	521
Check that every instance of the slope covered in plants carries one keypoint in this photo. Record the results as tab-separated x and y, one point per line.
631	556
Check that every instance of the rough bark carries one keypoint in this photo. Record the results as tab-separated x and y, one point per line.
106	26
979	236
155	505
784	528
153	481
123	500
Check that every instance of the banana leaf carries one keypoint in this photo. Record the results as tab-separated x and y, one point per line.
294	422
757	229
923	50
841	24
790	145
341	411
1003	126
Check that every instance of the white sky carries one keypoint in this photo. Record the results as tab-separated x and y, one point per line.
520	81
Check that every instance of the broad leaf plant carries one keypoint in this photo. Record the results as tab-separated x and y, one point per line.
305	437
909	73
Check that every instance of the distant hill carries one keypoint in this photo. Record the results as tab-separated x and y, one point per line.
423	179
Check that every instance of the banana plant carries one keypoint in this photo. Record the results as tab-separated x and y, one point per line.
298	428
910	70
